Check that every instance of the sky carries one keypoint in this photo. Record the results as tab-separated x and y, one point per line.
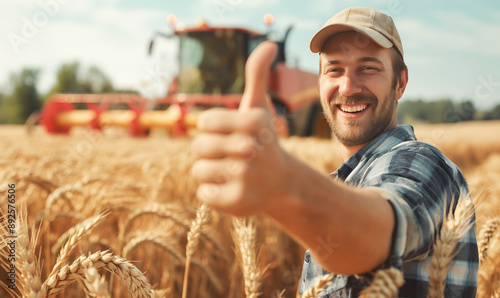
452	48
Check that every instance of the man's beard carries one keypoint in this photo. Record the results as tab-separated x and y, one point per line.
359	132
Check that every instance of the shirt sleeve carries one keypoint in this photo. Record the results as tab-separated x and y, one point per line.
417	180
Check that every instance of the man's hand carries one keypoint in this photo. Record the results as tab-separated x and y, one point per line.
242	167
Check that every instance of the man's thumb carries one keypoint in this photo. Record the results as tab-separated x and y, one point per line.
257	69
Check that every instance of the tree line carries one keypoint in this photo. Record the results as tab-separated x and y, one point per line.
24	98
442	111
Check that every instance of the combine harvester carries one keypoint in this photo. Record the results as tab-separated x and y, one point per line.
211	74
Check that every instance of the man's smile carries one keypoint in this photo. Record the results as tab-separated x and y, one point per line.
352	108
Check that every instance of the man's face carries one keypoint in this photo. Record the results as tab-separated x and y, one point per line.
356	88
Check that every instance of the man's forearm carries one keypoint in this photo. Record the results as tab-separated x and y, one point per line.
348	230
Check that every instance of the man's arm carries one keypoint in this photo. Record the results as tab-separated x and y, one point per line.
243	171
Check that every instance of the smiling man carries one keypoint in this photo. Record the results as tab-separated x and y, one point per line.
382	207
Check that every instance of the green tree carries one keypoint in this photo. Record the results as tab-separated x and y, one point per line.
413	111
23	98
493	114
442	111
67	79
437	111
72	79
95	81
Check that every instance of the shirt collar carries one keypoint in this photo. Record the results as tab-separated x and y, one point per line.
377	146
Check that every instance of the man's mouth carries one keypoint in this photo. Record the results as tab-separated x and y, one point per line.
352	109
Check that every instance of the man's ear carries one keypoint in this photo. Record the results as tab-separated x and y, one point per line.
401	85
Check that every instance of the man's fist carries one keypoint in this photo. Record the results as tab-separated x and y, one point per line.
242	167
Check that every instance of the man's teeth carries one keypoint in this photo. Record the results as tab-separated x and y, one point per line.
352	109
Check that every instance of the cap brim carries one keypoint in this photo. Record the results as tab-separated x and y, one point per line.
319	39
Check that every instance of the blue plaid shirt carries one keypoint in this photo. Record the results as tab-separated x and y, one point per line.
415	178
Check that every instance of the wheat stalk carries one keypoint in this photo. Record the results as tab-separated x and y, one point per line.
322	282
244	235
280	294
455	226
385	284
485	236
136	282
159	184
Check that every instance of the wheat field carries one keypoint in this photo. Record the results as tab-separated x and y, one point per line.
101	214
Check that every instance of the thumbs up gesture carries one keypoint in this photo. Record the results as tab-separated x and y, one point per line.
241	167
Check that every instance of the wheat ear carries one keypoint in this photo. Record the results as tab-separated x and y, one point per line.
322	282
166	244
136	282
95	285
28	266
160	293
455	226
159	210
60	191
168	211
244	235
385	284
37	180
193	238
71	237
485	236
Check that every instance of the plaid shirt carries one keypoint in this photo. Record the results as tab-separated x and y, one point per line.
415	178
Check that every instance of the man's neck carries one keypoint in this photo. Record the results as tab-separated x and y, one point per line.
350	151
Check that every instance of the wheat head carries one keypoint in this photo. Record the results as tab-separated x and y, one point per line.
245	235
385	284
455	226
136	282
485	235
320	284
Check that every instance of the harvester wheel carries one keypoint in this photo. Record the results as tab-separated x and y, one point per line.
49	116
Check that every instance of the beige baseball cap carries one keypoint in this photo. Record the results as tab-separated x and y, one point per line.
374	24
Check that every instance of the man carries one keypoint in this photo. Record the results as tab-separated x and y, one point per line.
386	202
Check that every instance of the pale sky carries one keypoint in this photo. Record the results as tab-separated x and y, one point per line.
452	48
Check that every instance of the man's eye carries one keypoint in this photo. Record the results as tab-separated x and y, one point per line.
334	70
369	70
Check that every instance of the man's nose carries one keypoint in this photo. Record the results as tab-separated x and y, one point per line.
349	85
